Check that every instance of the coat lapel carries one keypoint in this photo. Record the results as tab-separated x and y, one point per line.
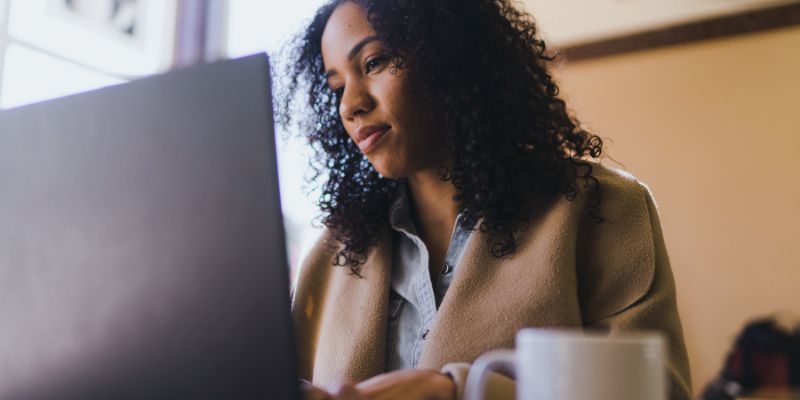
355	313
491	298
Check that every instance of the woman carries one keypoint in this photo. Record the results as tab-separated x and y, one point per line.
459	203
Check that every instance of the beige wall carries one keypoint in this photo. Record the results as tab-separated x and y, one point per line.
714	129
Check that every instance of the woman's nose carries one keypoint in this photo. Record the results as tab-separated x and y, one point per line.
356	100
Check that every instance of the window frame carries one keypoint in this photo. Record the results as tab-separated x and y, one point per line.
198	35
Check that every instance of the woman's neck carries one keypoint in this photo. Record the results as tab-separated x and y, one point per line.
434	211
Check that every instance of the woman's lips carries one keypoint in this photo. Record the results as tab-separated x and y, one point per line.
371	140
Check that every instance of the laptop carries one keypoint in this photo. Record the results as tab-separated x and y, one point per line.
141	242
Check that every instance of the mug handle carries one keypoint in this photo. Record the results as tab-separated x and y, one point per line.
475	387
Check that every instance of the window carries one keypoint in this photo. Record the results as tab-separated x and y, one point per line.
50	48
257	25
30	76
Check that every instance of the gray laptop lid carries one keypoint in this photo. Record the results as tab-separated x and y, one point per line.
141	243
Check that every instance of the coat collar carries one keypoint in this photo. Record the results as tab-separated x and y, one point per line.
358	317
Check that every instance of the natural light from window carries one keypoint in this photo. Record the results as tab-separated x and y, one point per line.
254	26
30	76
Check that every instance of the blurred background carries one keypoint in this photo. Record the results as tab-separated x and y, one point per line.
697	98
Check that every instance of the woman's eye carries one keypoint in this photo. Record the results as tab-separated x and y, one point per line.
374	63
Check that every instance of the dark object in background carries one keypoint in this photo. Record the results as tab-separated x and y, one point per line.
764	356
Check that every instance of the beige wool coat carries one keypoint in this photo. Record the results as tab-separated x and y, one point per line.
567	272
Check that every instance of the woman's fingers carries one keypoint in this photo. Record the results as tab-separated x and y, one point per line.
409	384
348	391
311	392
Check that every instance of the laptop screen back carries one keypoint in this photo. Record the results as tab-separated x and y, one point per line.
141	243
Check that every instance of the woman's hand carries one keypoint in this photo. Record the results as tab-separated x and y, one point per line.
311	392
346	391
403	384
408	384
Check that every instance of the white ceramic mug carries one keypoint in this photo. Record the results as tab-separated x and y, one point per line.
569	365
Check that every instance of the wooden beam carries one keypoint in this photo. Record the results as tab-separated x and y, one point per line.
748	22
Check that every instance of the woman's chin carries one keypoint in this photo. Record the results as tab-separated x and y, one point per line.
390	171
392	168
391	174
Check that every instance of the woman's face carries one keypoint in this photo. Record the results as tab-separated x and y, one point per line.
389	123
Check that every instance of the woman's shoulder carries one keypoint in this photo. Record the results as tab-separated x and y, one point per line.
614	195
624	204
610	229
617	256
617	186
601	193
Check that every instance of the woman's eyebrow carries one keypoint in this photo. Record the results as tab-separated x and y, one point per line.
360	45
353	52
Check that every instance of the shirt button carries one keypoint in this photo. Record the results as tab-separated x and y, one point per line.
447	269
425	334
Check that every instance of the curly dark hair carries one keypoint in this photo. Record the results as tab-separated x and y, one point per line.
481	66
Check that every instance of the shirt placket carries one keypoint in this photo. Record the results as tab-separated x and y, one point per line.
426	298
453	257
